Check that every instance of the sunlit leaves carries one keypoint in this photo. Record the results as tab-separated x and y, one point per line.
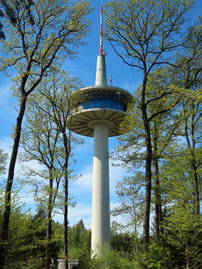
58	29
140	31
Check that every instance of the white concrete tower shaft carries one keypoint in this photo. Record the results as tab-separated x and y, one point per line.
100	204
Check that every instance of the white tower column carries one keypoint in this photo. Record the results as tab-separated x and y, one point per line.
100	204
101	78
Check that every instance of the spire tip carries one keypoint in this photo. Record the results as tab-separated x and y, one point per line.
101	33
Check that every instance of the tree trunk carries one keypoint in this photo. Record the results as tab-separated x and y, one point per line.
148	176
196	188
49	222
66	221
191	147
66	145
7	205
194	167
148	185
158	210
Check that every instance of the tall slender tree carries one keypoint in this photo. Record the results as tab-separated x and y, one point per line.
56	93
190	77
145	34
41	142
163	119
35	51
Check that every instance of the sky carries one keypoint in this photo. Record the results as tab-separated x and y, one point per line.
84	66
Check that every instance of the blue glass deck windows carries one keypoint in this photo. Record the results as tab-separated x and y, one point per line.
105	102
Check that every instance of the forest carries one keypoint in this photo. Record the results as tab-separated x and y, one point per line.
161	147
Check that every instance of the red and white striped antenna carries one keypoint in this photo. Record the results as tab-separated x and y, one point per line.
101	33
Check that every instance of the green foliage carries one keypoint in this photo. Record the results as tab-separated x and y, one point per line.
167	106
84	258
183	235
112	259
176	178
10	12
121	242
157	256
59	27
3	161
79	240
144	30
45	134
35	50
129	192
27	240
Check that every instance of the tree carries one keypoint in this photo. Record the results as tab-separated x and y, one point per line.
129	191
164	128
52	103
35	51
145	34
40	141
165	124
27	236
190	77
162	99
79	244
183	236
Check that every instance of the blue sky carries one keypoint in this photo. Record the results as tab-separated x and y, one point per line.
84	67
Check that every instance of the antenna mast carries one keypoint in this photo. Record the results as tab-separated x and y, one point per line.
101	33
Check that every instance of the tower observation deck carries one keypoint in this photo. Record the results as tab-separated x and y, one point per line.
106	104
98	112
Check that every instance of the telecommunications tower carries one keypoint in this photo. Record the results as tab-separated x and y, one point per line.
98	113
